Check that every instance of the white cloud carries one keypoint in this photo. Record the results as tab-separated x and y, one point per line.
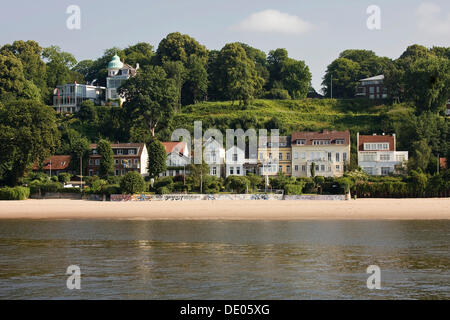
429	19
273	21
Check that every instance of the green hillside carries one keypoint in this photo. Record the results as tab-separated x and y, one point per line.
289	115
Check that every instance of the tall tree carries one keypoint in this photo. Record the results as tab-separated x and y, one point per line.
28	134
195	87
345	73
142	53
59	65
239	77
12	80
175	70
106	158
296	78
150	97
178	47
156	158
29	53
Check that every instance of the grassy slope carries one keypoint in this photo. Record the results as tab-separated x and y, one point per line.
287	115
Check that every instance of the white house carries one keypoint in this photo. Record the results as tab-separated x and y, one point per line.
118	72
68	98
377	154
214	156
234	162
178	158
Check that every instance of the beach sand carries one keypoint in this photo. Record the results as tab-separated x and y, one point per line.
361	209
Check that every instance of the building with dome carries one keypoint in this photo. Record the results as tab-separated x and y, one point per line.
68	98
118	72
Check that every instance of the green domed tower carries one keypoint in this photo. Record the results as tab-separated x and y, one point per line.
114	66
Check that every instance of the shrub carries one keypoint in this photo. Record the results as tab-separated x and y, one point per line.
64	177
70	190
113	180
293	189
280	94
132	183
238	184
110	189
162	190
17	193
180	187
164	182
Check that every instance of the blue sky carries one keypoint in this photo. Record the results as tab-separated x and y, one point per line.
314	31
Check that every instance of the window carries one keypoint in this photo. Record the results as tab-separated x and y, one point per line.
329	156
288	156
117	172
344	156
337	157
385	170
120	151
280	168
340	141
369	156
231	170
385	157
288	169
303	155
131	151
135	161
300	141
238	170
304	168
311	156
116	161
322	167
94	151
91	173
296	168
270	156
123	172
91	162
296	155
97	162
338	168
214	171
280	156
400	158
235	157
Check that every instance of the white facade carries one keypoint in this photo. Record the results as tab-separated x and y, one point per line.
377	155
68	98
235	159
214	156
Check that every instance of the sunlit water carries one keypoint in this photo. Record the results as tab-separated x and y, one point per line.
224	260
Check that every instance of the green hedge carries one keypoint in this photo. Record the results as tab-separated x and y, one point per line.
17	193
293	189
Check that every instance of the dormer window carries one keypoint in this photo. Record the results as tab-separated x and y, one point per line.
340	141
119	151
94	151
300	142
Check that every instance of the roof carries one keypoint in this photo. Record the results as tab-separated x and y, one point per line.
324	135
178	147
139	146
376	139
379	77
115	63
263	141
443	163
55	163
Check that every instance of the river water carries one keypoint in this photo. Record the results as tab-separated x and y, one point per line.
121	259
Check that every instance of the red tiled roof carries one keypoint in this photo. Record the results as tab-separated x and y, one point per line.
175	146
57	163
376	139
325	135
443	163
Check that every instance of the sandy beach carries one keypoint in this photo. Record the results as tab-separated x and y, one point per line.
362	209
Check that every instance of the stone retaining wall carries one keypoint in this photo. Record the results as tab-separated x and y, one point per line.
317	197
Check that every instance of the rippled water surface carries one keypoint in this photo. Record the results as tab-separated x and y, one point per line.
224	260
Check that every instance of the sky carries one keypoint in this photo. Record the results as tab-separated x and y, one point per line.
313	31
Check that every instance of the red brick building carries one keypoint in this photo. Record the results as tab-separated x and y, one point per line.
372	88
55	165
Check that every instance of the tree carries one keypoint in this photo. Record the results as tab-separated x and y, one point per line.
179	47
238	184
195	87
12	80
275	61
157	157
84	68
239	78
106	158
88	112
175	70
422	153
34	69
313	169
59	65
345	73
418	182
141	53
150	97
28	134
296	78
427	83
197	173
132	183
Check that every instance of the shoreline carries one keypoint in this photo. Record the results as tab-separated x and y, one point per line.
361	209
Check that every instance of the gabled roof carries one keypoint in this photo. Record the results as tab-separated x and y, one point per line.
333	135
375	78
263	141
377	139
178	147
55	163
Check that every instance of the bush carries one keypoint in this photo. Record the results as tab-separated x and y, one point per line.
166	182
110	189
162	190
17	193
279	94
64	177
237	184
293	189
113	180
132	183
70	190
180	187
